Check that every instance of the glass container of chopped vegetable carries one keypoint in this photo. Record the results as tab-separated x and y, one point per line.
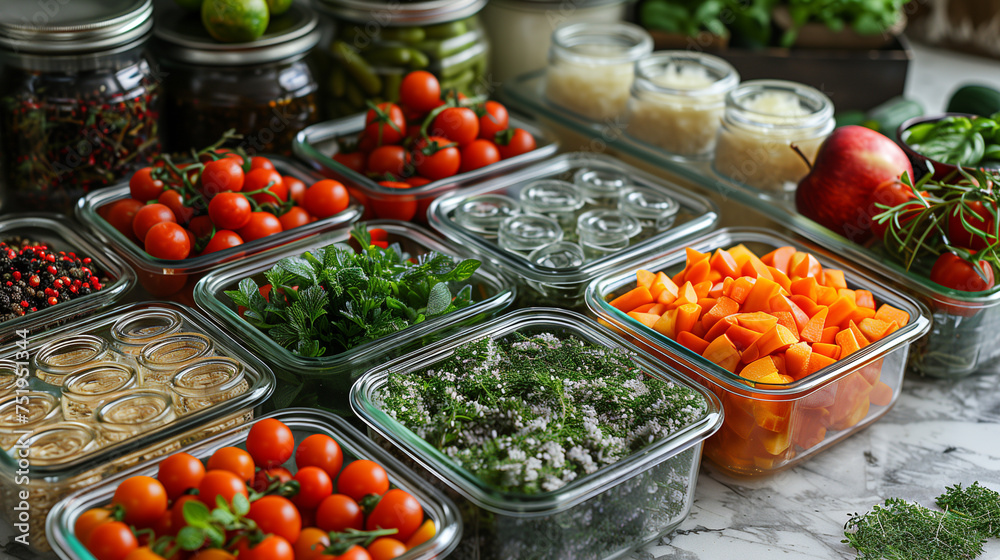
438	509
833	388
557	438
265	89
375	44
79	99
402	297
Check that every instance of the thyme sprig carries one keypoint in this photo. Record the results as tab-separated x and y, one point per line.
979	503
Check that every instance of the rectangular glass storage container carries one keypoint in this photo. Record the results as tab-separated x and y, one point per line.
176	279
94	397
318	144
303	423
605	514
324	382
52	230
771	427
564	287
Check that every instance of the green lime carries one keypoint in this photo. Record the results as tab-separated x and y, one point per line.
193	5
235	21
279	6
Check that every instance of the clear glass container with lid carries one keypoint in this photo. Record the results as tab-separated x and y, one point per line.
591	66
79	99
762	121
265	89
678	99
376	43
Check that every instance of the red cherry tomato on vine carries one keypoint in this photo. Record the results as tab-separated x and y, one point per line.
143	498
458	124
326	198
355	161
111	541
891	193
393	207
177	521
261	178
338	512
234	460
951	271
295	217
261	224
436	158
514	142
179	473
222	175
266	477
362	477
389	160
143	187
493	118
169	241
980	219
229	210
320	450
272	547
260	162
386	548
276	515
311	543
296	188
220	483
420	91
120	215
479	153
90	520
270	443
396	510
175	201
222	240
385	124
148	216
314	486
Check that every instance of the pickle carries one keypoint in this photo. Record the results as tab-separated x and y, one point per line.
390	89
449	71
337	79
354	96
389	56
404	34
460	82
418	59
359	69
446	30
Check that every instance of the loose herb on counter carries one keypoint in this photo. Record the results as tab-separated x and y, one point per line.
339	298
534	413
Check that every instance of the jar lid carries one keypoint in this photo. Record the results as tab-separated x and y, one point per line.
559	4
185	39
396	13
73	27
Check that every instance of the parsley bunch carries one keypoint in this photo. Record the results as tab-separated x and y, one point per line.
339	298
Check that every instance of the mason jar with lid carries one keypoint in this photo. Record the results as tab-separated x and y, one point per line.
265	89
78	99
375	44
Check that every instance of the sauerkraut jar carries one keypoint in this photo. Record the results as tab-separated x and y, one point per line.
678	99
764	121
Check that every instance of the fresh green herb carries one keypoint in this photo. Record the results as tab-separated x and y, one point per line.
900	530
531	414
337	299
957	140
980	504
866	17
686	17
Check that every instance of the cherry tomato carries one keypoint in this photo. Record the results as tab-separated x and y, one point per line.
396	510
296	216
121	213
261	224
493	118
213	554
270	443
261	178
175	201
311	543
891	193
353	553
389	160
143	187
222	240
320	450
420	91
229	210
478	153
201	226
417	181
143	553
234	460
220	483
436	158
278	516
179	473
378	234
111	541
952	271
143	498
385	124
386	548
980	219
458	124
177	521
169	241
223	175
355	161
260	162
148	216
514	142
90	520
338	512
394	207
314	486
296	188
264	478
326	198
362	477
272	547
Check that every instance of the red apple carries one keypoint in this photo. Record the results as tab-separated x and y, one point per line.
850	164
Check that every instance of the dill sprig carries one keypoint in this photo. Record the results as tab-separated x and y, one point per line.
980	504
900	530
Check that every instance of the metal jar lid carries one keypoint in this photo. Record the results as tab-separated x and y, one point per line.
72	26
396	13
183	38
562	5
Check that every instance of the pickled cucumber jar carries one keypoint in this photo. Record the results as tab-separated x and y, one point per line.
265	89
78	99
376	43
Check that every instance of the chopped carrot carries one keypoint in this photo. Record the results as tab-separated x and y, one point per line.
666	284
756	269
813	331
716	291
698	272
847	342
679	278
780	278
694	256
647	319
786	320
864	298
776	340
644	279
727	286
723	307
818	361
797	360
644	308
758	321
825	295
632	299
805	287
725	264
834	279
741	289
741	254
722	352
830	334
804	265
692	342
758	369
702	288
858	335
706	303
667	324
667	297
742	337
809	306
687	317
849	294
686	295
760	295
889	313
874	329
720	327
779	258
750	354
840	311
861	313
828	350
881	394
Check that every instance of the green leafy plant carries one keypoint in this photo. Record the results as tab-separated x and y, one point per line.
687	17
866	17
957	140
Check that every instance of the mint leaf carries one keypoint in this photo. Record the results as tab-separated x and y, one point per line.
196	514
191	538
216	536
241	505
223	516
299	267
463	271
439	299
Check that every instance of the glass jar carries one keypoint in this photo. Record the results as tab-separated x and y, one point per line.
59	443
653	209
678	99
601	185
63	356
161	358
484	213
25	411
207	382
525	233
78	99
135	330
591	66
376	43
133	412
554	198
604	232
86	389
763	119
265	89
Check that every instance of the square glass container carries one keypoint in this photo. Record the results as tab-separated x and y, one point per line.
324	382
175	279
564	287
303	423
771	427
52	230
605	514
92	412
318	144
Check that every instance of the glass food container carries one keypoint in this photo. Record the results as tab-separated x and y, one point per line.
762	121
324	382
605	514
109	418
375	44
772	427
303	423
51	230
175	279
563	285
79	99
591	67
266	89
319	143
678	99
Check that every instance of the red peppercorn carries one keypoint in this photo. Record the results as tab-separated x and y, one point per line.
86	260
17	275
34	281
52	269
24	303
74	289
53	301
58	284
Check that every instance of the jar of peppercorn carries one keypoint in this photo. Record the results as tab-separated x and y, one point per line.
78	99
265	89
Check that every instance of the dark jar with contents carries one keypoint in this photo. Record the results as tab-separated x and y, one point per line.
375	44
265	89
78	100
